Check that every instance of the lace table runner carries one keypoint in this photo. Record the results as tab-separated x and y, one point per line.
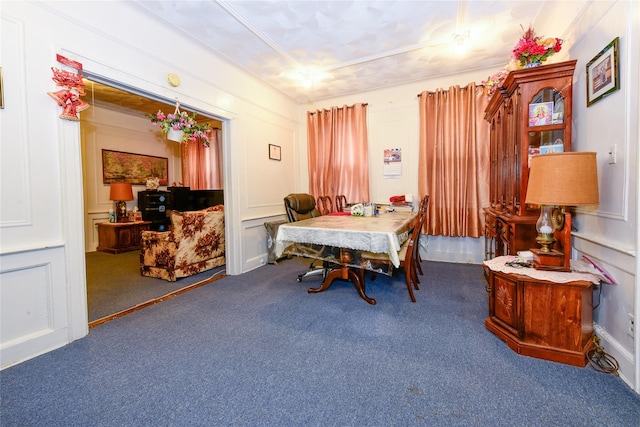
499	264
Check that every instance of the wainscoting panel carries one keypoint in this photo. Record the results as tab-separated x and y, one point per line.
16	193
91	231
465	250
614	302
254	244
34	316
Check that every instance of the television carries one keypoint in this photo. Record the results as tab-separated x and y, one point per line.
186	199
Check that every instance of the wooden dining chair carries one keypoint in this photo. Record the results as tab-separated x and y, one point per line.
341	203
408	254
325	205
423	207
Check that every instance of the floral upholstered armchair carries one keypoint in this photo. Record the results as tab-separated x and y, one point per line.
195	243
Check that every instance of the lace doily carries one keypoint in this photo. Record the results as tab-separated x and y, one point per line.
499	264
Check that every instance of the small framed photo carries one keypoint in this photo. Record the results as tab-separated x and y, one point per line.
553	148
274	152
603	73
540	114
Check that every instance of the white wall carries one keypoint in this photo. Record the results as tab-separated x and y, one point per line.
609	232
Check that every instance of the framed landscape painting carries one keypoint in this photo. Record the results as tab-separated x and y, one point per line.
118	166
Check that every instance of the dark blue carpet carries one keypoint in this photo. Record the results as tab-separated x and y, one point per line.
257	350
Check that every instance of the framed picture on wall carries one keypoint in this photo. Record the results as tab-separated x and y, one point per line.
274	152
118	166
603	73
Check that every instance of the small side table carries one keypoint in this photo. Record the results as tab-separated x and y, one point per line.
116	237
547	315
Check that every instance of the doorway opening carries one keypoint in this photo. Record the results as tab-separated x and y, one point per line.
111	123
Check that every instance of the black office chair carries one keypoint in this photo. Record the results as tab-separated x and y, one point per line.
301	206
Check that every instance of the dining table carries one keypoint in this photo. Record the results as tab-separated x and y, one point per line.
340	239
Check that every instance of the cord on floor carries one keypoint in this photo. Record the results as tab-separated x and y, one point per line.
600	360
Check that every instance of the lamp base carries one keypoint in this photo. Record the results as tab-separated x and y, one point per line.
121	211
551	261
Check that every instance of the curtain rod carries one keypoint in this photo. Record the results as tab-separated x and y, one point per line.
430	93
364	104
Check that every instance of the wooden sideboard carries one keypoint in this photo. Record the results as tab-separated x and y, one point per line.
542	319
116	237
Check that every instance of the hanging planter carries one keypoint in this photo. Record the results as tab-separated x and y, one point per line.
181	126
175	135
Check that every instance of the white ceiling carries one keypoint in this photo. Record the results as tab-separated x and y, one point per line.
361	45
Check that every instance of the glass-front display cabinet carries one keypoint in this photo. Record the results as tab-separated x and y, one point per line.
529	114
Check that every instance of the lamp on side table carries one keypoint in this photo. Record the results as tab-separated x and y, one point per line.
121	192
557	180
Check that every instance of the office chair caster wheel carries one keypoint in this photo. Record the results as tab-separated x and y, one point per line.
299	279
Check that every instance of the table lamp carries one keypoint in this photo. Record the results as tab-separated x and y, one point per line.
121	192
557	180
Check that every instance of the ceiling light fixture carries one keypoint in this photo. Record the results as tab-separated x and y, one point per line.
460	42
308	78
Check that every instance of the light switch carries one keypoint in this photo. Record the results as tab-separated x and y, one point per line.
612	154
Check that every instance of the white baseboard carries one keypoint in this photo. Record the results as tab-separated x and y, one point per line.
625	359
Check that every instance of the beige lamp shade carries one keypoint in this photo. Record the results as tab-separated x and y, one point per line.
121	191
563	179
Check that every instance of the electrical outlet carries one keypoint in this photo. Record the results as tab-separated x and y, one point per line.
631	325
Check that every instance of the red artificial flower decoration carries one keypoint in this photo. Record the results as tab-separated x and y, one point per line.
532	48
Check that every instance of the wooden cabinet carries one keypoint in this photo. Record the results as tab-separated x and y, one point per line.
543	319
116	237
529	115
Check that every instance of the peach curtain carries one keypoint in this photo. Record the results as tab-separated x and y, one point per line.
202	166
454	160
339	152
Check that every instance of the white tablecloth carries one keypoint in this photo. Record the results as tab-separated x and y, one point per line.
383	234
